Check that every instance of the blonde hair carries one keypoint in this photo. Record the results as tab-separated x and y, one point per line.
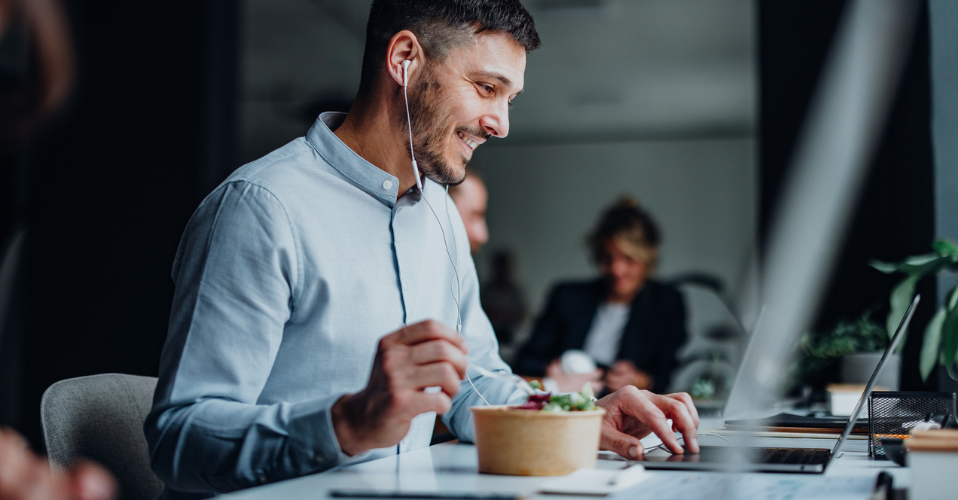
631	228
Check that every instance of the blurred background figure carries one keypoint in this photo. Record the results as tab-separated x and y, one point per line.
36	70
502	299
24	476
629	324
471	198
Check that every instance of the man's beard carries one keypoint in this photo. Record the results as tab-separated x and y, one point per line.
429	117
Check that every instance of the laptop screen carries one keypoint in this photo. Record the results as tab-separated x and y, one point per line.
895	340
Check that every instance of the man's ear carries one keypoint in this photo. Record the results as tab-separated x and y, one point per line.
404	46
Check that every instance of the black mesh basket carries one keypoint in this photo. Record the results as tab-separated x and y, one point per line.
893	414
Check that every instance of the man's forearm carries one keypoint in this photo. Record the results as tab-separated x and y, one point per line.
220	446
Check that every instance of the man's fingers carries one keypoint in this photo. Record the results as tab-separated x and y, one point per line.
440	374
675	409
435	351
425	331
689	404
92	482
685	419
646	411
438	402
621	443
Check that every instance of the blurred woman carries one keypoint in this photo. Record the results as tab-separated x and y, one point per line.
630	325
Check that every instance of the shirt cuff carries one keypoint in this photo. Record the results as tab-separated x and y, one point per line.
312	435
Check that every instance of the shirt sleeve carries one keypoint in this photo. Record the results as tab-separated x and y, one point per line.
236	274
483	346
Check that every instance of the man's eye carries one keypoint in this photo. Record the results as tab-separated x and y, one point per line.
486	87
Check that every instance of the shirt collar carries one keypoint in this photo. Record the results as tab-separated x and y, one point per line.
366	176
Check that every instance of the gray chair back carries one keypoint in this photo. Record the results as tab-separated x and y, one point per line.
100	417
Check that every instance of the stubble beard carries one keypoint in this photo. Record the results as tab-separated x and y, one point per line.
429	117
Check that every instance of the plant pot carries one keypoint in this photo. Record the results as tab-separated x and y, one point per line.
536	443
858	368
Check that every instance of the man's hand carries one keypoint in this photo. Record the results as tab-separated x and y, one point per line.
569	382
24	476
418	356
625	373
631	414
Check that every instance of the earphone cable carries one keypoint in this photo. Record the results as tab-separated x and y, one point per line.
456	297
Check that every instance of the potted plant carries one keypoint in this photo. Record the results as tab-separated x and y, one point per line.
857	344
940	345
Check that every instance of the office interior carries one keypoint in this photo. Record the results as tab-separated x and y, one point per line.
691	107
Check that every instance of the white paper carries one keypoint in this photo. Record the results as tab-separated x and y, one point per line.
753	486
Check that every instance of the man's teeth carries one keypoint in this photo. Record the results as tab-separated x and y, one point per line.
472	144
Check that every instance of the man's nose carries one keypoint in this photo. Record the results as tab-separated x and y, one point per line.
496	122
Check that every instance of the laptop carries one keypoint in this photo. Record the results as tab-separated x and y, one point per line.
801	460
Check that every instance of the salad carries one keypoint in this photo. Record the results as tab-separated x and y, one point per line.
546	401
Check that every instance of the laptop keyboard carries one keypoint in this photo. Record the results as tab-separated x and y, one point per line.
792	456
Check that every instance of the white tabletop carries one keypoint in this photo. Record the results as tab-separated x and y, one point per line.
453	468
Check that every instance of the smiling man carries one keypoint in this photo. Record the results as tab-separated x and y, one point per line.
319	290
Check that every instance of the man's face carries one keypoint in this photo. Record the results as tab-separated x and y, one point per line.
471	198
457	104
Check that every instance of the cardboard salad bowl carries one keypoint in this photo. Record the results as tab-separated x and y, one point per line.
536	443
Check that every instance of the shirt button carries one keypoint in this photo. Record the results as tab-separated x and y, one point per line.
318	459
261	479
387	184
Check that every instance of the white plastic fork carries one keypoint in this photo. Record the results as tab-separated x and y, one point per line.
519	381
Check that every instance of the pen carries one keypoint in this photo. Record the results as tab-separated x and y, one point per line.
883	486
430	495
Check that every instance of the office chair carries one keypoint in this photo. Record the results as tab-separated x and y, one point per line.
100	417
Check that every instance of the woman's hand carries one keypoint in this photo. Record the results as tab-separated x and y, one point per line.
625	373
569	382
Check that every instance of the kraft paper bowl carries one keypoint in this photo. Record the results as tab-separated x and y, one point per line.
536	443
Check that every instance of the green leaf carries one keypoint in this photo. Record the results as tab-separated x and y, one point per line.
949	331
901	297
923	264
929	347
952	370
945	248
920	265
587	391
885	267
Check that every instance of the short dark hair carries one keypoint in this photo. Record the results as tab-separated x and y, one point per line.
441	25
630	224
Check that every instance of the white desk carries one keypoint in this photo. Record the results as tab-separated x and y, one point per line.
453	467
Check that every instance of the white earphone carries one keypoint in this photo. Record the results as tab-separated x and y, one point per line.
412	154
415	168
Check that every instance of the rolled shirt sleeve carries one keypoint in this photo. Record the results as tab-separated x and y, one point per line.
236	272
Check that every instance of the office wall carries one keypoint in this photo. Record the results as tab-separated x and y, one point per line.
108	187
943	16
544	199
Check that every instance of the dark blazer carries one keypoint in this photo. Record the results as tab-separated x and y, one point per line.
653	334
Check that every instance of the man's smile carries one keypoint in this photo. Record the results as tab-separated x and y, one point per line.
470	142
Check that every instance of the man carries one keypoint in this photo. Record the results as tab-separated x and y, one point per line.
317	289
471	198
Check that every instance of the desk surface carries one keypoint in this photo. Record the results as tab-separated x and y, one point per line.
453	467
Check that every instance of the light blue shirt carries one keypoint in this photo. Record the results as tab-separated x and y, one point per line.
287	276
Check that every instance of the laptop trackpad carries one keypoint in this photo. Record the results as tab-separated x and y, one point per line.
742	459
